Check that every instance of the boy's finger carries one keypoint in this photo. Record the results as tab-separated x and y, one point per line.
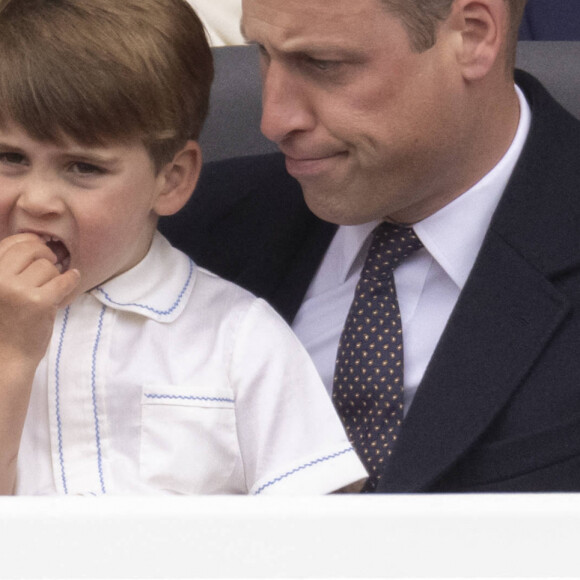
38	273
19	255
63	286
10	241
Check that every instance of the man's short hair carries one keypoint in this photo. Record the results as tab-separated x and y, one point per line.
102	70
422	17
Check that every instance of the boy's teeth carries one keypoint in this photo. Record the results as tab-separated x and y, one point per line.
46	238
60	251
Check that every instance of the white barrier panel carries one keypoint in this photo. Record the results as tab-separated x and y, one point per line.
467	536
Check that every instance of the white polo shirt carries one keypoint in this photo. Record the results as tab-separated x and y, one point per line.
168	379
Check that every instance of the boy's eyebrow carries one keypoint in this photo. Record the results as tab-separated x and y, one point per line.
11	147
91	156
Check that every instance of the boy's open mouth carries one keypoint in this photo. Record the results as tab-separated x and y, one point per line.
58	248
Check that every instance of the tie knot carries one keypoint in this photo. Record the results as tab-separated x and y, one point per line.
390	245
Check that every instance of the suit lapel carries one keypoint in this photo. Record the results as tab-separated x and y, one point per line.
506	315
282	272
509	309
289	294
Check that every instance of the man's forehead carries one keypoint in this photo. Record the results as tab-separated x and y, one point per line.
286	19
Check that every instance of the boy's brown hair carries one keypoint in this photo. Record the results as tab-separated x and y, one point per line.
105	70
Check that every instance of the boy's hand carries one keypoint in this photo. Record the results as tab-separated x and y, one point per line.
31	291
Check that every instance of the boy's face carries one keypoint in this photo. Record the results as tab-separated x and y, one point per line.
94	206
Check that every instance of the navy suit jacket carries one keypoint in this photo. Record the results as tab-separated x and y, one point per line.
499	406
551	20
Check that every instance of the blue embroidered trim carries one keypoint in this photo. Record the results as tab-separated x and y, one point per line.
57	399
189	398
306	465
150	308
94	394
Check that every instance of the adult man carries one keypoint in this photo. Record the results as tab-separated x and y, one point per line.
405	111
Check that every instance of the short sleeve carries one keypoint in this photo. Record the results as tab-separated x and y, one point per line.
291	439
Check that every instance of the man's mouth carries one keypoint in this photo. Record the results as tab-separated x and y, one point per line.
313	165
59	249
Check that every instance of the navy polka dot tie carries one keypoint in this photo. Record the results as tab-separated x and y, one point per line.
368	379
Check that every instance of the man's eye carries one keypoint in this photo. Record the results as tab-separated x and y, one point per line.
264	56
322	65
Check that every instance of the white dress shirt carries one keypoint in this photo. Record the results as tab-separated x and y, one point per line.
428	283
168	379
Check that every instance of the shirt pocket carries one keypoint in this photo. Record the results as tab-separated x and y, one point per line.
189	441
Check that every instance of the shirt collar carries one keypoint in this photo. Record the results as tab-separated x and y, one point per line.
454	234
158	287
352	246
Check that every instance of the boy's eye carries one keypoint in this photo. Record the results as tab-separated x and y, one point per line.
11	158
82	168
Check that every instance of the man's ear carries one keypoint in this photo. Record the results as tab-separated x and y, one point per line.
178	179
483	27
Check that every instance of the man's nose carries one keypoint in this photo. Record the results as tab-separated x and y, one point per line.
286	108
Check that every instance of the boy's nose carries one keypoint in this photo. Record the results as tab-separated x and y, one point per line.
40	198
285	105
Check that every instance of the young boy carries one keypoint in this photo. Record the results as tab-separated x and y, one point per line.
125	368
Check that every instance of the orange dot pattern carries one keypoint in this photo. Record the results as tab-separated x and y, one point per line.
368	379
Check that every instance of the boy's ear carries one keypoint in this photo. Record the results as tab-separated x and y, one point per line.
483	27
178	179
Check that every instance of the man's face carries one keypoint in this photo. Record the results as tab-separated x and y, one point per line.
369	127
94	206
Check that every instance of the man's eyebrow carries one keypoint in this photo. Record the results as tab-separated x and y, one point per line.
307	48
319	52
